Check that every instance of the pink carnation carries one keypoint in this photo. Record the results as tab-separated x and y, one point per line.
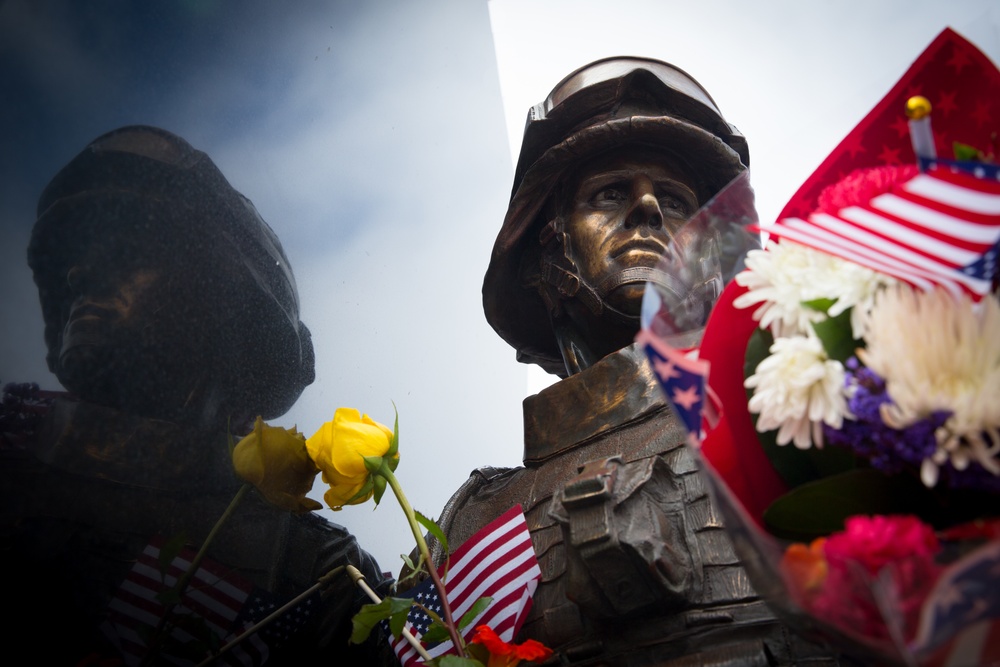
888	556
877	541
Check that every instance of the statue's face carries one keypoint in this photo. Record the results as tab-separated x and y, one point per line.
109	308
133	329
625	208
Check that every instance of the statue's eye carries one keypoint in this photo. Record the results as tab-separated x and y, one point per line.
671	205
612	195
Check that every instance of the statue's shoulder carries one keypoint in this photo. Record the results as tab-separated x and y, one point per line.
482	498
482	483
23	407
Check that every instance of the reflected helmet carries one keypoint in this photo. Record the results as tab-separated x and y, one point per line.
152	188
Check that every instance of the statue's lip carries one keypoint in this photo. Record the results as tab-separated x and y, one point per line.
647	244
88	311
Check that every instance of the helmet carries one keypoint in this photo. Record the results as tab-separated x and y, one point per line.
607	104
150	186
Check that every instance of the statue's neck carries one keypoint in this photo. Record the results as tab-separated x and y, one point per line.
585	339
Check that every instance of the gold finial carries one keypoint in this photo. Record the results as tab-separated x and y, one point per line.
918	107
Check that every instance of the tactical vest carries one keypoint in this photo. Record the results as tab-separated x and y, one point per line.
637	568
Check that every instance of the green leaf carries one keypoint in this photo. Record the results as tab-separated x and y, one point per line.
479	652
411	570
965	152
435	634
408	562
433	529
821	305
475	610
437	631
797	466
379	483
371	615
433	614
836	335
820	507
455	661
758	349
399	616
169	551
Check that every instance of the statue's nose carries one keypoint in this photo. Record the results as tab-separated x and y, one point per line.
645	210
85	278
76	276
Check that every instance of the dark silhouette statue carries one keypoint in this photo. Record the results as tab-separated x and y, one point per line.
637	568
172	317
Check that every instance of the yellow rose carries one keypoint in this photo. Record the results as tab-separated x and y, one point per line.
340	447
275	460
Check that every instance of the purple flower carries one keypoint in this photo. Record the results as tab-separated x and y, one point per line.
891	450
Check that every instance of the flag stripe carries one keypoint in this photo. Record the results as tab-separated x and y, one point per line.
830	235
482	568
467	555
497	562
872	247
817	236
510	576
961	226
916	238
215	594
940	228
975	195
217	611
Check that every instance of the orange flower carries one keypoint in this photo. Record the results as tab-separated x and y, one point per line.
503	654
806	565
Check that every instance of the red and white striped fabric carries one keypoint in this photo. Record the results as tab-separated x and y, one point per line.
216	595
940	228
498	562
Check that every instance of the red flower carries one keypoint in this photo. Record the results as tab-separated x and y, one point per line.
877	541
894	554
503	654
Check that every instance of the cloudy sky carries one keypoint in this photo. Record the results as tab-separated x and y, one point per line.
377	139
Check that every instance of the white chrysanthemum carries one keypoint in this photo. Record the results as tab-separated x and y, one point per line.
797	389
786	274
935	353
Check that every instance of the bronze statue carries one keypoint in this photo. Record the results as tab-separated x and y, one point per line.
172	317
636	566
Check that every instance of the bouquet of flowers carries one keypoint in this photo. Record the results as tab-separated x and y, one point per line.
855	362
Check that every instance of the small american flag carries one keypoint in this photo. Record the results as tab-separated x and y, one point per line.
940	228
216	607
961	616
683	378
498	562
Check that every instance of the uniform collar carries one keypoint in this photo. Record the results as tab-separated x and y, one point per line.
615	391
